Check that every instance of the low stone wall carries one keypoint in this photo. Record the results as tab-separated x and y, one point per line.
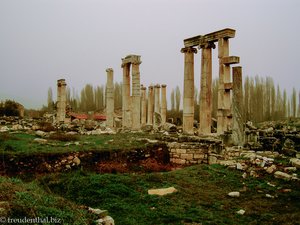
193	150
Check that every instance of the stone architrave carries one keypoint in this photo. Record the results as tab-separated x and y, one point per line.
237	109
61	100
126	100
163	107
110	108
150	105
144	106
156	105
188	90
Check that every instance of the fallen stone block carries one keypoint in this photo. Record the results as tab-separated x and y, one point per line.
162	191
282	175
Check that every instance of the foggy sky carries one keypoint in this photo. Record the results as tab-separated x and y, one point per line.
45	40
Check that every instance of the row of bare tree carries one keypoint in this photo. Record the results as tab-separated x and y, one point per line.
261	100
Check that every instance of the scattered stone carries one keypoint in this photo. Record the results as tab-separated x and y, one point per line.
40	133
270	184
295	162
269	196
76	160
271	169
239	166
244	175
4	129
253	174
282	175
290	169
40	140
105	221
241	212
162	191
234	194
99	212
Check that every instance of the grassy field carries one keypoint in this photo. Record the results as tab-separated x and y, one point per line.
201	197
23	143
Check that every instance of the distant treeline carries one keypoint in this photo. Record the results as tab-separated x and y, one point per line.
262	101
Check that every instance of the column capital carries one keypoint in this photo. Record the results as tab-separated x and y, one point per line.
163	85
188	50
207	45
109	70
150	87
157	86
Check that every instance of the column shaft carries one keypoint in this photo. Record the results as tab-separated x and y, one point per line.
163	110
206	91
150	105
61	100
223	50
110	108
188	90
136	97
156	105
237	109
144	106
126	100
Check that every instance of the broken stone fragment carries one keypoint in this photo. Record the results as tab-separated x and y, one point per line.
40	140
76	160
282	175
162	191
271	169
107	220
295	162
241	212
234	194
99	212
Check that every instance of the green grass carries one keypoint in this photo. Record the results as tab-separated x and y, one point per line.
23	143
31	201
201	197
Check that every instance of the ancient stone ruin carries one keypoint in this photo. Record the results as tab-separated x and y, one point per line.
61	101
131	103
206	43
110	103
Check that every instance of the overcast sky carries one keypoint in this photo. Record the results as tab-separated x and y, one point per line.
45	40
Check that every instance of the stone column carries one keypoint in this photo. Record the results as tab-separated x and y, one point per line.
150	105
163	108
110	103
136	96
144	106
237	109
223	51
156	105
206	90
188	90
61	100
126	101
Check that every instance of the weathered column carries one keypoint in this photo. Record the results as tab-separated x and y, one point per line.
150	105
126	101
163	108
110	103
136	96
61	100
223	51
144	106
156	105
237	109
206	89
188	90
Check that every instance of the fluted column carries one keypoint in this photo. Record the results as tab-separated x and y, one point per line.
163	108
150	105
126	100
61	100
144	106
110	103
136	96
188	90
156	104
